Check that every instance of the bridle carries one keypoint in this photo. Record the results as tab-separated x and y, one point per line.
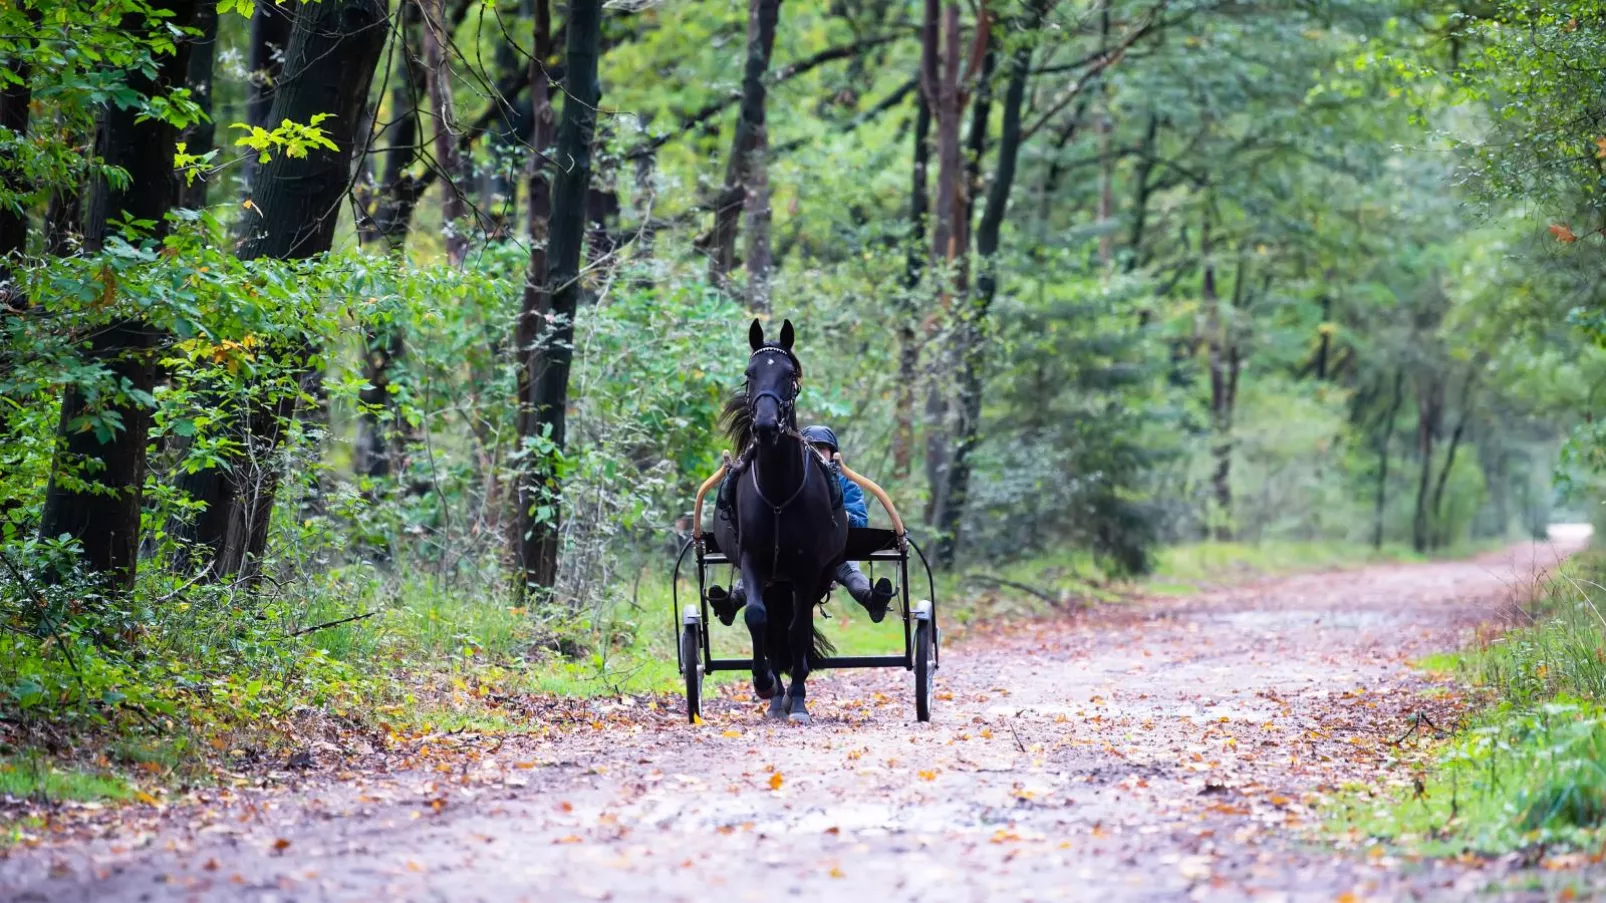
788	405
788	427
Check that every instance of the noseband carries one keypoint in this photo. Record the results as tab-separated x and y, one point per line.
787	404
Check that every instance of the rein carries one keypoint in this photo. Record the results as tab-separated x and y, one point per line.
775	560
788	427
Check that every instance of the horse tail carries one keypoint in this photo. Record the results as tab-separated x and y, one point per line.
822	649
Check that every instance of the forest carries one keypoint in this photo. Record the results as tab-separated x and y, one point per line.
349	342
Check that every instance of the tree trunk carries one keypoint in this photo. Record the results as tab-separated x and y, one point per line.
498	191
392	215
947	235
1430	400
15	97
99	503
270	36
552	351
536	548
1440	536
973	327
746	149
917	253
438	73
1106	129
1223	380
64	221
200	138
389	220
1383	459
903	434
1141	191
328	67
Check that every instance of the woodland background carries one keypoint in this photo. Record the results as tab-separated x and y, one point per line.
351	339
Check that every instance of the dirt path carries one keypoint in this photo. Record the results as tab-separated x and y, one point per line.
1162	752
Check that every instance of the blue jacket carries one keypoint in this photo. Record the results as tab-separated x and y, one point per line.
853	503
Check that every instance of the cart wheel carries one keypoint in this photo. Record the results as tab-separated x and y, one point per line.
691	664
923	660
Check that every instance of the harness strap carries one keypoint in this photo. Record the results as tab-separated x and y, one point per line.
775	562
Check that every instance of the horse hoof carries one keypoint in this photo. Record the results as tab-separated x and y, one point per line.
768	690
778	707
799	718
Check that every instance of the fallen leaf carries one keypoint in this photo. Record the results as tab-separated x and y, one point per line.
775	781
280	845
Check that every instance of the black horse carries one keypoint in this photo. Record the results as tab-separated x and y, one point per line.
780	519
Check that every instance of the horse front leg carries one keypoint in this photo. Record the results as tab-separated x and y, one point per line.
800	635
764	682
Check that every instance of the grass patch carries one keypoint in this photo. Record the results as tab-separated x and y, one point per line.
33	778
1216	562
1530	768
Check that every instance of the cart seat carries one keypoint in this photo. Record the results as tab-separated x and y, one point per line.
864	544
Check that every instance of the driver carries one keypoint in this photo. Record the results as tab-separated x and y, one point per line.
873	598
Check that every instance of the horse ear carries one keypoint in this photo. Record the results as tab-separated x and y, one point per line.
786	335
755	335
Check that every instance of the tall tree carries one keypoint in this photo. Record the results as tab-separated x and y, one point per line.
947	238
437	37
553	349
973	321
200	138
746	161
16	96
270	33
328	68
534	545
98	476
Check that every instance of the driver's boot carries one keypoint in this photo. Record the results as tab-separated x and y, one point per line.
873	598
727	604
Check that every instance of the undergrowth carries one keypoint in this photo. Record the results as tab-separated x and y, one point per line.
1529	770
186	678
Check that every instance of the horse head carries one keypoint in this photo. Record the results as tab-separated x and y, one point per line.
774	378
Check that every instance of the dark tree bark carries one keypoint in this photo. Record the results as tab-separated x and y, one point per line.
201	137
1430	413
1143	188
553	350
1380	502
15	98
438	73
389	220
270	35
947	233
747	147
96	487
534	546
498	195
973	350
328	67
64	221
1106	130
903	435
398	190
1223	383
1438	534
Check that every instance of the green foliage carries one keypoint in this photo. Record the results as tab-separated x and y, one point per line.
1529	769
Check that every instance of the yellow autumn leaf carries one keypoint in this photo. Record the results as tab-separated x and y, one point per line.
775	781
731	733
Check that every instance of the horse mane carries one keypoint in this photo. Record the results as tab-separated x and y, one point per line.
736	419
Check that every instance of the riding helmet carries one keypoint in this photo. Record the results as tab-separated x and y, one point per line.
821	435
